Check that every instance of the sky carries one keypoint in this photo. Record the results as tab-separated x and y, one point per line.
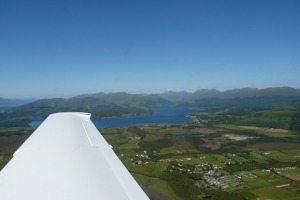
62	48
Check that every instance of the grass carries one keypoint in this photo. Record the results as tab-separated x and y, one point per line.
4	159
11	143
262	130
294	153
275	193
153	169
168	150
262	185
212	160
155	188
282	157
249	195
134	141
271	177
272	119
293	174
180	145
269	146
258	157
258	183
279	135
128	146
230	127
238	159
247	176
193	161
220	158
115	140
151	137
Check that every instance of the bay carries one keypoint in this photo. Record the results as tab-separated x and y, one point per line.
170	115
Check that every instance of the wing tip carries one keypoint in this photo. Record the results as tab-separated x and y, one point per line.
84	115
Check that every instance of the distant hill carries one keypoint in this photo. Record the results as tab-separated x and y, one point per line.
172	96
200	94
136	99
229	94
279	96
122	103
106	105
123	98
277	91
97	95
183	96
237	93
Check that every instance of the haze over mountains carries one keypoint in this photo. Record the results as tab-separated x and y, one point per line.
230	94
8	103
169	96
122	103
183	96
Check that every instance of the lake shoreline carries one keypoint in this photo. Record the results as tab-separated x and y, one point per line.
170	115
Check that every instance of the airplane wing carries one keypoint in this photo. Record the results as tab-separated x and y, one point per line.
66	158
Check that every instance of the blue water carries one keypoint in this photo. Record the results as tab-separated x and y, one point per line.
4	108
37	119
162	115
184	135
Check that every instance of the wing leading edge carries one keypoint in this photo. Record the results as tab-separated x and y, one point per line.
67	158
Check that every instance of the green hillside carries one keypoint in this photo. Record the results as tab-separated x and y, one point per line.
110	105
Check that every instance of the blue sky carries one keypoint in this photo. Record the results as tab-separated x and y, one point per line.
63	48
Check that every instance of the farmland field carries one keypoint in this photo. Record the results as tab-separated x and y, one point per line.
243	159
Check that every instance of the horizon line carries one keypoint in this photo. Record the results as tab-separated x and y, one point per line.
141	93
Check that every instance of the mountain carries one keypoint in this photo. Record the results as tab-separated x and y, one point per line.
236	93
40	108
107	105
183	96
176	96
122	103
254	92
204	93
123	98
96	95
278	96
277	91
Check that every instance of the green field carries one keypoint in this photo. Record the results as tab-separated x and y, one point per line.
257	156
292	174
150	169
262	160
274	193
271	177
188	158
277	155
155	187
238	159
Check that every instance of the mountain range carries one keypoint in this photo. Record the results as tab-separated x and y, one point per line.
184	96
230	94
122	103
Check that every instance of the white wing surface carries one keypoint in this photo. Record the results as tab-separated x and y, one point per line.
66	158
